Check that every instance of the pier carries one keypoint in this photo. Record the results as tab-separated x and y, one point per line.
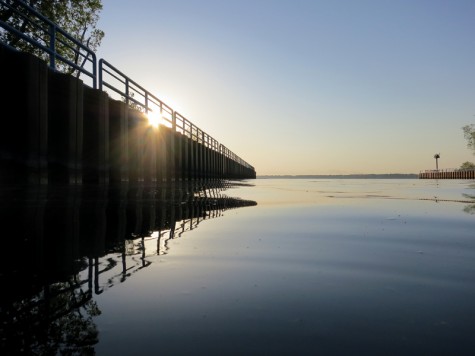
448	174
60	129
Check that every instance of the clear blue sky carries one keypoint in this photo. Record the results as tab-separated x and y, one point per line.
309	87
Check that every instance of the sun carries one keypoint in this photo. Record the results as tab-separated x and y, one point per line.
154	118
157	119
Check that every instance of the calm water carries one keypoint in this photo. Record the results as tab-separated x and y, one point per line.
316	267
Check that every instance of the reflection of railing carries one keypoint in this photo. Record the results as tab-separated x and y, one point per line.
109	76
175	218
50	39
58	320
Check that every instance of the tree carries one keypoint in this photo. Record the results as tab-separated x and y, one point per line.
77	17
467	165
469	134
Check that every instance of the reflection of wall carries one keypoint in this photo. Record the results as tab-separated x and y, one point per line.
53	228
63	245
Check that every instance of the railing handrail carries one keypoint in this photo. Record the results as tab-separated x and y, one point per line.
128	97
194	132
131	87
447	170
52	30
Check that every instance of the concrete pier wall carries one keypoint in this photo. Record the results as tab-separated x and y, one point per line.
57	130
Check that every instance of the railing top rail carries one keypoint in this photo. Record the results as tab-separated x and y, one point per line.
187	125
447	170
127	81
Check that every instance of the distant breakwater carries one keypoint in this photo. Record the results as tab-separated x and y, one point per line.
343	176
448	174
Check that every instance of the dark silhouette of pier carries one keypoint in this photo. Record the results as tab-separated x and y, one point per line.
59	129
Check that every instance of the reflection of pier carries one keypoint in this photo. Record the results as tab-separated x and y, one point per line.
63	245
152	224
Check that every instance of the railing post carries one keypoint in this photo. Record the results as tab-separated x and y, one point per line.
94	71
173	151
100	74
52	41
127	91
192	154
203	155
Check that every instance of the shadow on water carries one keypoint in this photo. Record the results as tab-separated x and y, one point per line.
62	246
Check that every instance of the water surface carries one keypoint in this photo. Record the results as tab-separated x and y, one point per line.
316	267
330	267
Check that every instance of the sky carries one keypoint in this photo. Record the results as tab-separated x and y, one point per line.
308	87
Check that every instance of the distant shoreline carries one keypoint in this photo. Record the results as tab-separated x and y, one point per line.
343	176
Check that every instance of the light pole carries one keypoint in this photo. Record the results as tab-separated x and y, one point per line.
437	156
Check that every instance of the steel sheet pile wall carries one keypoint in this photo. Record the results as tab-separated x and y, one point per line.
448	174
57	130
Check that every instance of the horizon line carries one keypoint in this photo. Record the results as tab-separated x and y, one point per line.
340	175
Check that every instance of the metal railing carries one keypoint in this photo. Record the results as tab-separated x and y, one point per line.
131	92
448	173
106	76
140	98
49	38
447	170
